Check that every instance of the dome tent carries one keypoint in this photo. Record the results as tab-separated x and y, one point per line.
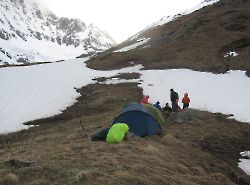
155	113
139	119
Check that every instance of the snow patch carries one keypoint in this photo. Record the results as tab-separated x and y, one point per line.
245	154
231	53
244	164
135	45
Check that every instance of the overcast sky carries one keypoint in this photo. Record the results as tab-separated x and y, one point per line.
120	18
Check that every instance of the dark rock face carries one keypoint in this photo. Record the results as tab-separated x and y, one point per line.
4	35
23	60
71	25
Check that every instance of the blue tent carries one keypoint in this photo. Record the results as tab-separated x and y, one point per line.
139	120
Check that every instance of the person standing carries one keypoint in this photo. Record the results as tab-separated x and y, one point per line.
185	101
174	97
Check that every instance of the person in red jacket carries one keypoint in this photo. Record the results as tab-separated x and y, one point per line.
144	99
185	101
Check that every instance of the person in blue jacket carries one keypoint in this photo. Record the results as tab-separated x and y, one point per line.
158	106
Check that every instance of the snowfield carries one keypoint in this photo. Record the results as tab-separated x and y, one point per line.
34	92
226	93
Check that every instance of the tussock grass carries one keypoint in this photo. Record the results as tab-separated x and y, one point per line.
171	141
151	150
85	176
39	182
9	179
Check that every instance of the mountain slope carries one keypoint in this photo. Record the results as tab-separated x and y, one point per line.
200	41
30	34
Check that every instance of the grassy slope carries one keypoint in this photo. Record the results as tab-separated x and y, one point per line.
196	41
202	151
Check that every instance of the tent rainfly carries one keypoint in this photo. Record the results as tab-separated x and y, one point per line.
140	121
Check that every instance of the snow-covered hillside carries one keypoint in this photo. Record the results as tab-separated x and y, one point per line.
29	34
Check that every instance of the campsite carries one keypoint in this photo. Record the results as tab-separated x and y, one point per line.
203	149
79	107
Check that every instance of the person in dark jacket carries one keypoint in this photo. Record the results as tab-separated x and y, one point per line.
174	97
167	108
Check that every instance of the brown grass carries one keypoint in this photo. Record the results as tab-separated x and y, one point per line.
201	152
170	140
151	150
126	76
87	175
9	179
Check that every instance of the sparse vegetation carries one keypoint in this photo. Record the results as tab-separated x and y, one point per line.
126	76
9	179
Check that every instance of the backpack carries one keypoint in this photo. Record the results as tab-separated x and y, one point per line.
176	95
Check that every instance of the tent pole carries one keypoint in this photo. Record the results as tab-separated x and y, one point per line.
83	128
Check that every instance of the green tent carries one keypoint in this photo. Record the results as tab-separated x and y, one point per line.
117	133
155	113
